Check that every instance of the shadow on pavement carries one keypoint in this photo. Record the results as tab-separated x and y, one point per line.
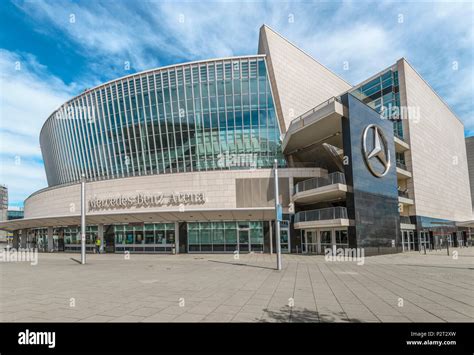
240	264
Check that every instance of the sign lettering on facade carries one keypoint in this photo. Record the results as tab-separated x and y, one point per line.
146	199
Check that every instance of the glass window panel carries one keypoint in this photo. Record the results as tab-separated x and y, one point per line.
218	236
149	237
205	236
193	236
129	237
170	236
326	237
230	236
160	237
256	236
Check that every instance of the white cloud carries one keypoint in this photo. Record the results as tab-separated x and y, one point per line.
22	177
28	96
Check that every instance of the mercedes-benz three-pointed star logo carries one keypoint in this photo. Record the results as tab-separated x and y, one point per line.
379	150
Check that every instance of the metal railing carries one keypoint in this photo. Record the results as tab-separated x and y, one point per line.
398	134
403	194
405	220
314	183
321	214
314	109
401	165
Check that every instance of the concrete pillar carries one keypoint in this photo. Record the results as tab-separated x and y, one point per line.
291	161
100	234
22	238
50	239
176	237
16	239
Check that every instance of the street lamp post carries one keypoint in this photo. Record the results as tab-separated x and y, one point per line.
83	219
278	212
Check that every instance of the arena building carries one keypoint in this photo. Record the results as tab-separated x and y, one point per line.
179	159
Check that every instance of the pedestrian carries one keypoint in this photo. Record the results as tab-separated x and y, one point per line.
97	245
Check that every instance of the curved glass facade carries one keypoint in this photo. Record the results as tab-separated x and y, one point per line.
211	115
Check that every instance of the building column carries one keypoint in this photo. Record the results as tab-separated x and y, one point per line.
291	161
24	242
100	234
50	239
16	239
21	239
176	237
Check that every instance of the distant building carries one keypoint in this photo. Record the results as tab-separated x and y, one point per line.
15	214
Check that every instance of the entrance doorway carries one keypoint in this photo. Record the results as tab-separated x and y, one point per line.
408	240
244	240
424	240
310	244
285	245
316	241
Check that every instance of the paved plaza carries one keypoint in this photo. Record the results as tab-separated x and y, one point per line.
408	287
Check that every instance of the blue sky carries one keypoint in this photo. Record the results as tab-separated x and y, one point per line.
53	50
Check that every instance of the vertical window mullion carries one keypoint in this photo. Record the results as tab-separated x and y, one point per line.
172	121
187	117
82	134
97	145
211	130
127	127
218	133
69	171
162	147
146	124
71	143
179	117
86	123
170	165
100	118
120	116
57	151
226	116
111	172
93	135
203	125
78	142
115	133
139	127
150	92
111	132
133	128
53	151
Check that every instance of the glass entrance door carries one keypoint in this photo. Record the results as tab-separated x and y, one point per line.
405	241
326	240
244	242
284	238
424	241
310	243
408	240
